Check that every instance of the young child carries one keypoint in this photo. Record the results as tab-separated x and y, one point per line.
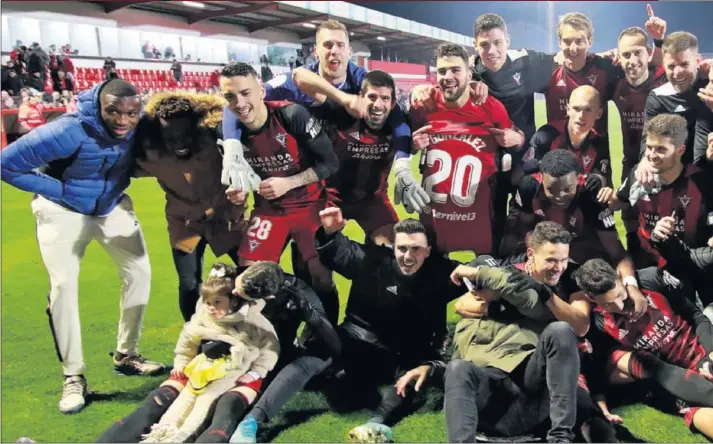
220	316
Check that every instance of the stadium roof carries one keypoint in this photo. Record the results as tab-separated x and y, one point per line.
374	29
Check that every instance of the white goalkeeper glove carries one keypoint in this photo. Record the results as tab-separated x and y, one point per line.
237	172
407	190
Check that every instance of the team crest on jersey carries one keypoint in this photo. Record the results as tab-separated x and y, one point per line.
516	77
355	135
281	139
253	244
587	160
592	78
710	218
529	154
685	200
573	221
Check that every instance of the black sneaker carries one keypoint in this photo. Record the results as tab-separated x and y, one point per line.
136	365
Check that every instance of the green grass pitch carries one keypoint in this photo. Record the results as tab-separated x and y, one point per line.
31	375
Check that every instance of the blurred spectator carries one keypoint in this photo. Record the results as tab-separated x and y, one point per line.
64	81
146	50
11	81
265	71
215	79
7	101
34	80
69	101
67	65
112	74
168	53
30	114
21	65
177	69
47	99
155	52
67	49
56	98
109	63
24	95
37	49
292	63
35	64
55	64
187	58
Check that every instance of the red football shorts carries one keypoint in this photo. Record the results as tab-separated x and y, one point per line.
268	233
371	213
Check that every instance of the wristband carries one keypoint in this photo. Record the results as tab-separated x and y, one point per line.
630	280
255	375
658	43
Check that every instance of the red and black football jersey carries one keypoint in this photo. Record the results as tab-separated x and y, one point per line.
365	155
286	145
660	331
582	218
689	199
598	72
460	173
593	154
631	102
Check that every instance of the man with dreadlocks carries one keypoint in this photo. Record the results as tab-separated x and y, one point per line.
177	144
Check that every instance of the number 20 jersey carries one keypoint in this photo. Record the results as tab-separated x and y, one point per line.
460	172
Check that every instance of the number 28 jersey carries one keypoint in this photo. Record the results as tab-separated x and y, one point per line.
459	173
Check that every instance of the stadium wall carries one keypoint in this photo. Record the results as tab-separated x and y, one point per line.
81	13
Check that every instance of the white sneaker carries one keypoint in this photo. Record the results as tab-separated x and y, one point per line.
74	390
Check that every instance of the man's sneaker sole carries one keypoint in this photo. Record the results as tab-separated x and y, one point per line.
74	410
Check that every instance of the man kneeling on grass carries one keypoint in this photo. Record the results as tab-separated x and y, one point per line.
671	344
512	367
394	321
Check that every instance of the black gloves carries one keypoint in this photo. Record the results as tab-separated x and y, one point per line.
215	349
593	183
521	282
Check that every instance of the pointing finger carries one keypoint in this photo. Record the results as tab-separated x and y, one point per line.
649	10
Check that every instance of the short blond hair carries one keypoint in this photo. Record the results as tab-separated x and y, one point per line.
333	25
678	42
578	21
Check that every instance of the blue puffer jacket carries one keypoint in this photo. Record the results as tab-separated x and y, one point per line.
88	169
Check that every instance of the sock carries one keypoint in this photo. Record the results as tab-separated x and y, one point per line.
389	406
259	415
633	246
228	411
330	302
299	266
682	383
119	356
138	422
